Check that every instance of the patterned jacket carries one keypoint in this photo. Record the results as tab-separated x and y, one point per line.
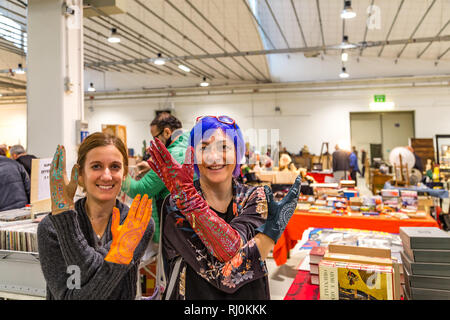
180	240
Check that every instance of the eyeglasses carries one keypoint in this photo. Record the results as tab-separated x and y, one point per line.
223	119
154	137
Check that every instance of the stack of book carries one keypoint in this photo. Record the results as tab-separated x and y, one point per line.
426	263
358	273
315	256
19	236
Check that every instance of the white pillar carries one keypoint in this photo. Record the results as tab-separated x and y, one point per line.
55	97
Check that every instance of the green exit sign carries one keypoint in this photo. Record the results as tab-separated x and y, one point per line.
379	98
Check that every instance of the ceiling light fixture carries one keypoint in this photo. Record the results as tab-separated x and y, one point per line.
343	73
91	87
19	69
114	37
184	68
345	44
344	56
159	61
348	12
204	83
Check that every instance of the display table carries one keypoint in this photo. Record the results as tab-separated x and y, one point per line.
300	221
438	193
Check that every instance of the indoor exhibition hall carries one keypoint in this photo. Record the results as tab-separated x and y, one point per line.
250	150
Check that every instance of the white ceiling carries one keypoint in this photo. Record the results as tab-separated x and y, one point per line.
179	28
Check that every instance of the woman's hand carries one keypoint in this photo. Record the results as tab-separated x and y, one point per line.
127	236
62	191
279	213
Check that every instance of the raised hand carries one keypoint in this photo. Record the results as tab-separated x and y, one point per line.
279	213
127	236
177	178
62	191
219	237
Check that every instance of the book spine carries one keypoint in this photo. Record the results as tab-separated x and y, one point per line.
328	282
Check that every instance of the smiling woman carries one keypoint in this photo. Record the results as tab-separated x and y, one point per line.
88	234
215	235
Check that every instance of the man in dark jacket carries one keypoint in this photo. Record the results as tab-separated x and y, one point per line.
19	154
341	164
14	185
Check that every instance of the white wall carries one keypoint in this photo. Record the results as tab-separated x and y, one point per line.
13	124
308	119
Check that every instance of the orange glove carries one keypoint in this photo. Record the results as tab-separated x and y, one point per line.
127	236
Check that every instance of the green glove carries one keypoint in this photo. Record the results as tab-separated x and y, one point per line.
279	213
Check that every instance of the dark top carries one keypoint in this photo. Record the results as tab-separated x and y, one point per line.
68	239
25	160
203	276
418	165
14	185
341	160
203	290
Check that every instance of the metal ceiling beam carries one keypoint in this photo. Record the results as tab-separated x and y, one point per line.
118	50
365	31
166	52
438	34
141	40
91	59
122	68
392	25
20	5
298	22
180	33
225	38
368	44
99	68
292	87
259	24
5	84
320	23
131	49
208	37
13	12
443	54
416	28
276	22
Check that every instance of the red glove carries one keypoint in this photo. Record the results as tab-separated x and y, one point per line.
218	236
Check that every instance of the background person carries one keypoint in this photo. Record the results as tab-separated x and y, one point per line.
341	164
168	130
97	235
14	185
19	154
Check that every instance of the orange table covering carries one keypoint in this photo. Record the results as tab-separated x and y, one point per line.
301	221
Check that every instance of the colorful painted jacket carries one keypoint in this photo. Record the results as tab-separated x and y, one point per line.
203	276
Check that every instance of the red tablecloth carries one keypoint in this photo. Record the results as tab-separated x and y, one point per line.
302	289
301	221
319	177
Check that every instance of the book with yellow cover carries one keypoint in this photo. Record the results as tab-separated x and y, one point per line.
354	281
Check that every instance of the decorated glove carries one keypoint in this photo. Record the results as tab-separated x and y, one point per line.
127	236
280	212
218	236
62	191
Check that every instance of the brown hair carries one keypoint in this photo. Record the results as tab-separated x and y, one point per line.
100	139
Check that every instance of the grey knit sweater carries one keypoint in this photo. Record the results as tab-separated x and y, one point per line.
67	239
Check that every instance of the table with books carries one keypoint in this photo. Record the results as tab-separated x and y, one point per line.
348	264
385	213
